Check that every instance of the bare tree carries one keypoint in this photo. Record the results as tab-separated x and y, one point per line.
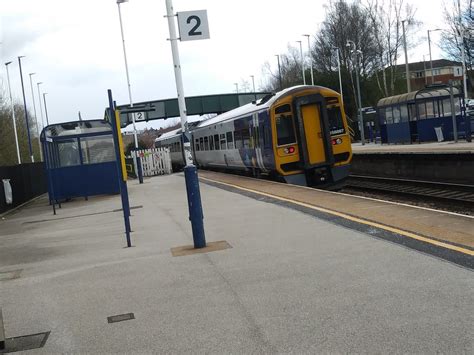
459	17
386	22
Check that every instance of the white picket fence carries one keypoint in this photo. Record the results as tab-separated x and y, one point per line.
155	161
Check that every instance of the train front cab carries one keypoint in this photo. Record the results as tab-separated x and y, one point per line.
311	139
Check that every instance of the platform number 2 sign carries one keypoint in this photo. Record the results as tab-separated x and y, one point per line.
193	25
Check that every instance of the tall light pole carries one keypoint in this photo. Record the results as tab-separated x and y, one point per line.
36	117
236	87
339	70
137	161
429	47
45	107
302	62
461	33
279	70
39	100
358	53
311	60
13	114
253	85
424	70
26	111
407	70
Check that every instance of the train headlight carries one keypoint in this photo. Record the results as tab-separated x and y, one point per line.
336	141
289	150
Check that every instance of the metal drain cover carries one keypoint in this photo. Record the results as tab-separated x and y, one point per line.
120	317
25	342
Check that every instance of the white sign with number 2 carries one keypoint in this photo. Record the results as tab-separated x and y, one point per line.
193	25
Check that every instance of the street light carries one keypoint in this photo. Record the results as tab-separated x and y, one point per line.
236	87
39	99
26	111
45	107
302	62
429	47
311	60
253	85
407	70
36	117
137	161
279	70
13	114
339	69
351	44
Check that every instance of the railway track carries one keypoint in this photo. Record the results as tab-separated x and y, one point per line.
446	192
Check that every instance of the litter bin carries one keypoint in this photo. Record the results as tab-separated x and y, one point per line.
8	191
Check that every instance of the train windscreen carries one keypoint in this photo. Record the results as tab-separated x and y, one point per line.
336	124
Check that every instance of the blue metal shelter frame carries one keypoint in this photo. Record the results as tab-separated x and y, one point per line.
413	117
80	159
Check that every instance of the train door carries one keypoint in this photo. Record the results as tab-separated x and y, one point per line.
257	142
313	131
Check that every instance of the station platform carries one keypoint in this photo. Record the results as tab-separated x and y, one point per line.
295	278
435	148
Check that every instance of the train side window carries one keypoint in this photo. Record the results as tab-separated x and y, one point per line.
238	140
211	143
216	141
206	143
230	140
222	136
201	143
196	146
285	129
246	138
178	146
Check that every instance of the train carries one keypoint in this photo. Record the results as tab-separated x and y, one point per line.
298	135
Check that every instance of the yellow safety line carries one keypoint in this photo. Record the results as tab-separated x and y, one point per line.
354	219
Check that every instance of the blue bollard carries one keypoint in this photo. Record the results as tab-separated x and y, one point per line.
195	208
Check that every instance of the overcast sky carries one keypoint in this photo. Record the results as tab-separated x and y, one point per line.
75	47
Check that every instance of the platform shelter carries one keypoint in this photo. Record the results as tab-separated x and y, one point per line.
80	159
417	115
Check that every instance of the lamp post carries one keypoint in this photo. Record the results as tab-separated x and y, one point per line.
236	87
407	70
26	111
253	85
36	117
358	53
13	114
279	70
137	161
39	100
302	62
339	70
429	47
45	107
311	60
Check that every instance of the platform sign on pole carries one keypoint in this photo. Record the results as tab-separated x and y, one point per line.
193	25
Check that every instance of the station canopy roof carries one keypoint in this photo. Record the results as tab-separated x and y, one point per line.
75	128
410	97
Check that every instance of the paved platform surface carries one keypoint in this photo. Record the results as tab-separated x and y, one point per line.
291	282
438	148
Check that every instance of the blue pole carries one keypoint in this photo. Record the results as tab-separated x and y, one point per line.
122	182
194	205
